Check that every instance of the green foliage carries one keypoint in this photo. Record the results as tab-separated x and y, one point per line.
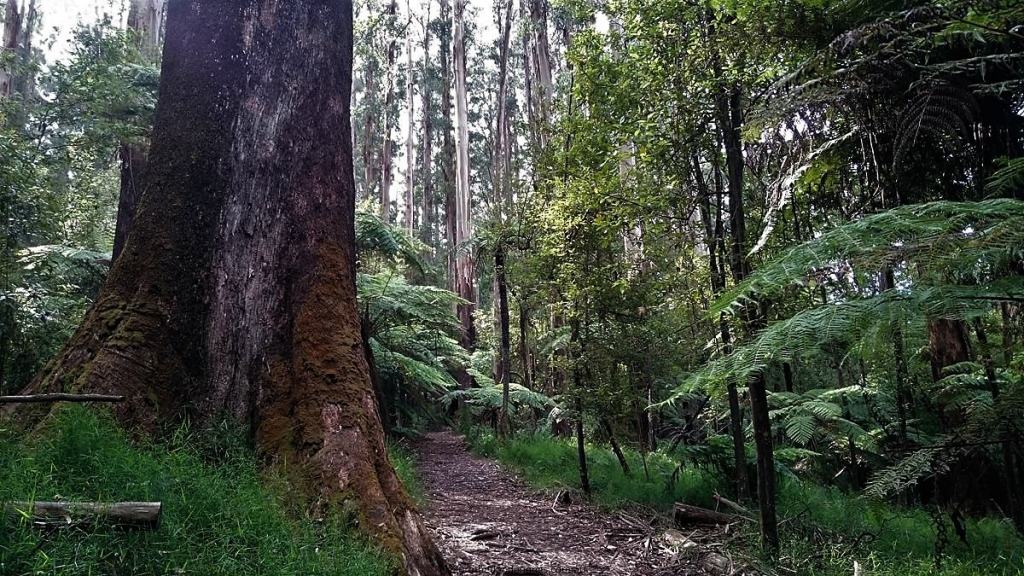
829	529
550	462
221	515
408	326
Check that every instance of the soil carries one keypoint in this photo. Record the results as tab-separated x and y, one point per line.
488	522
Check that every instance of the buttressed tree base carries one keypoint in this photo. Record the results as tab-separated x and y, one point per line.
235	293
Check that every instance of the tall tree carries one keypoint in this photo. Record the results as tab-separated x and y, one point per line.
426	139
465	265
16	50
730	118
235	294
543	93
502	169
388	150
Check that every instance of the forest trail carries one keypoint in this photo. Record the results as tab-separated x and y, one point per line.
487	522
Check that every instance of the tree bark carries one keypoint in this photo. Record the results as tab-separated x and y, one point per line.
948	344
19	26
686	515
13	21
133	166
235	294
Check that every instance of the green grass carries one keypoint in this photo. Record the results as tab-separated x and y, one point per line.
824	529
549	462
404	462
224	519
829	529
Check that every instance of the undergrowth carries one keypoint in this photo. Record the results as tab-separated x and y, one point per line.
222	515
824	529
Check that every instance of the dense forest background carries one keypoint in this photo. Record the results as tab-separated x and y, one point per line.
779	245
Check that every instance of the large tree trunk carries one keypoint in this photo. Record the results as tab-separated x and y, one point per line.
235	294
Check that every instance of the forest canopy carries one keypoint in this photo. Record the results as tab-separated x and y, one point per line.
772	249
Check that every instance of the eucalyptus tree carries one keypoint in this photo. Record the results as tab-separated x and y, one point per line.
216	309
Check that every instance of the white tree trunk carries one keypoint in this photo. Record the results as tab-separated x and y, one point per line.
146	19
410	146
465	265
389	99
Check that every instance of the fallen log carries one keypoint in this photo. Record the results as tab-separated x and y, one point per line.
141	515
686	515
59	397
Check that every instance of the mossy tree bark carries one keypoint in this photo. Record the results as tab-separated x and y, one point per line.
235	293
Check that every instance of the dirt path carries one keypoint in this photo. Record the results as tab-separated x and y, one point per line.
488	522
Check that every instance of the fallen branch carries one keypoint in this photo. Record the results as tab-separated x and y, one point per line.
685	515
142	515
59	397
733	505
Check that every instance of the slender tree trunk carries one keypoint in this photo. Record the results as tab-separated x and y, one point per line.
581	447
504	346
410	139
235	294
1004	311
524	346
730	117
616	449
714	234
448	144
1009	469
787	374
427	156
388	150
465	265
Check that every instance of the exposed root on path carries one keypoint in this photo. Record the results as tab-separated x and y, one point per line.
489	523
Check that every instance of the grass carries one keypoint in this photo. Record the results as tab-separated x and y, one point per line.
825	529
404	462
228	518
549	462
